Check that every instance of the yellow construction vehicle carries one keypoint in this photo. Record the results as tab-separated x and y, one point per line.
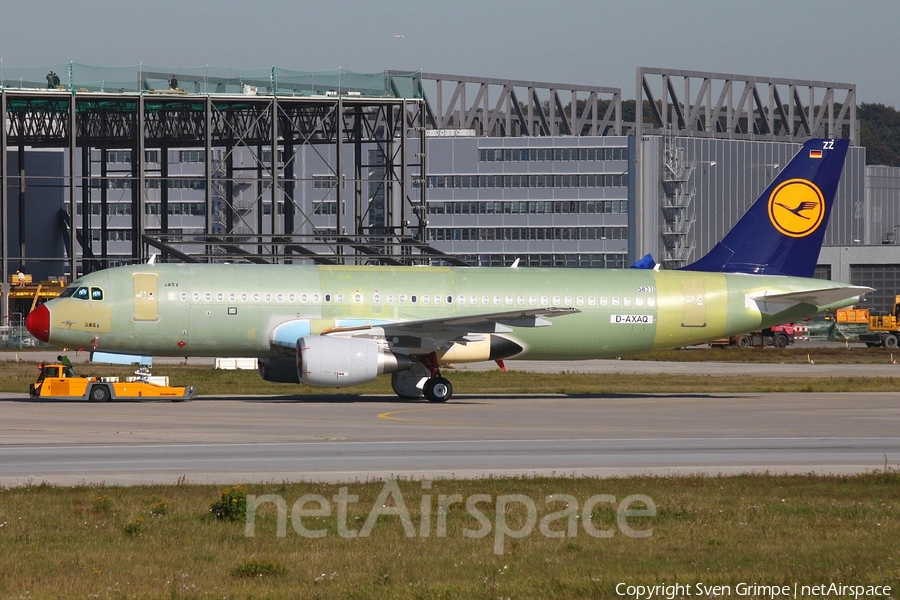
57	381
884	330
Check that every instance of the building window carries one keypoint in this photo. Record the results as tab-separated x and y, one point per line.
324	182
191	156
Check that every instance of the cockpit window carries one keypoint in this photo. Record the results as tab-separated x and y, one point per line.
81	293
67	292
96	294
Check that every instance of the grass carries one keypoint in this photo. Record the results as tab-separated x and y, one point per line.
15	377
63	542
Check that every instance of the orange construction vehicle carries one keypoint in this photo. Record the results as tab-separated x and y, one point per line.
884	330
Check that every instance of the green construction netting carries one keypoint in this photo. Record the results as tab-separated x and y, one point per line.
76	77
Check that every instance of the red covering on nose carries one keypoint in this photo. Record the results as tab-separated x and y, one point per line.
38	323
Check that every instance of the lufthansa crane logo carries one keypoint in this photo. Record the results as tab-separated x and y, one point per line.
796	207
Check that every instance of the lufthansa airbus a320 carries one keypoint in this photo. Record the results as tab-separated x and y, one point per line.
336	326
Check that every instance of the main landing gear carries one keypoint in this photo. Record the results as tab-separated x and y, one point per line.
423	379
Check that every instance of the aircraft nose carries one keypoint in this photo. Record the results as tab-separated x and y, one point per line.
38	323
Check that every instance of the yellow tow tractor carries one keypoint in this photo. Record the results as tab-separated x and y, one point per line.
58	381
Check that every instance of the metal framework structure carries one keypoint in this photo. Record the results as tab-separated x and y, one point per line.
511	108
82	122
699	104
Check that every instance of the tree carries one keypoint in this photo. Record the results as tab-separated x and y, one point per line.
880	134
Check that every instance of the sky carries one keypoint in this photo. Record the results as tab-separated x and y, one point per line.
585	42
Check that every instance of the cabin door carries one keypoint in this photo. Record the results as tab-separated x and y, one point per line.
145	301
694	304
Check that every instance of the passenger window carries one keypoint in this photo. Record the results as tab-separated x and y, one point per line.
412	299
96	294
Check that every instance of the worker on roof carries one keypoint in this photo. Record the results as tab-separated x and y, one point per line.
67	365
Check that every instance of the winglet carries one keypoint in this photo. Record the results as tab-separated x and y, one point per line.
782	232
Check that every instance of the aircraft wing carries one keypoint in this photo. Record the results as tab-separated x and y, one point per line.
770	303
431	334
482	323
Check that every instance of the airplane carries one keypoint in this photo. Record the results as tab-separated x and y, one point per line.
335	326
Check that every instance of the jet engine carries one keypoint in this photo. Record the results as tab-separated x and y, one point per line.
338	361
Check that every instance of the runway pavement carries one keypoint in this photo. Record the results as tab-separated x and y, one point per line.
345	438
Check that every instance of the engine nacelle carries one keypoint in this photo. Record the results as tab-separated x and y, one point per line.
327	361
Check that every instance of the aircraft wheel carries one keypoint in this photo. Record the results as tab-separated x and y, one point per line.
438	389
890	341
99	393
743	341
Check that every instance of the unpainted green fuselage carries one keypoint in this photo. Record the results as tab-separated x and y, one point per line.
233	310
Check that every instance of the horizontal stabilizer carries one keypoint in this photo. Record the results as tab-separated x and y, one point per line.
774	303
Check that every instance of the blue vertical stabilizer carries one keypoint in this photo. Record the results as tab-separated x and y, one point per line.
782	232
